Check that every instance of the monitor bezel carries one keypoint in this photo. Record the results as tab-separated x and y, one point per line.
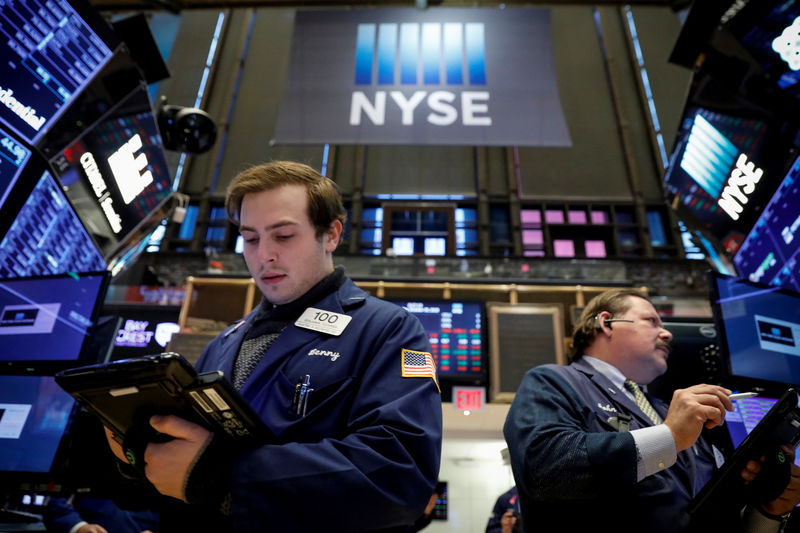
730	380
449	378
49	367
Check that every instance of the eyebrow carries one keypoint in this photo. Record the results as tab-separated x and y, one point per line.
268	228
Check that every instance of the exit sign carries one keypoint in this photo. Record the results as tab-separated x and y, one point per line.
469	398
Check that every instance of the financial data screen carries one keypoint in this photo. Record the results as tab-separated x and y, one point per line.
454	330
50	54
771	251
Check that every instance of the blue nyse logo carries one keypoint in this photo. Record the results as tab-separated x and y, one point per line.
450	54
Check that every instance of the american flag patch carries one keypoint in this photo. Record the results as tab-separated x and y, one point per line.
419	365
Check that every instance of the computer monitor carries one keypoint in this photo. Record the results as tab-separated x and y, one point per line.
759	332
41	233
693	358
116	173
455	329
770	254
35	415
46	320
50	51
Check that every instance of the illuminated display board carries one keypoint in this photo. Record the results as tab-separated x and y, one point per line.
51	53
46	235
455	331
116	174
771	251
723	171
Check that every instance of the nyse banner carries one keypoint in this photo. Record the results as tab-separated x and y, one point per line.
447	76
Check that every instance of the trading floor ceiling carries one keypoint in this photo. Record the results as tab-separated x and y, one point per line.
176	6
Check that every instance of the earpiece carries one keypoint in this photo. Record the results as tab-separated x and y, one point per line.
608	321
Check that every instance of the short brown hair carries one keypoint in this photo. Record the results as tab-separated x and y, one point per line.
615	301
324	200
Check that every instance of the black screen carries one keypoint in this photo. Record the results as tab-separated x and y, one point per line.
759	331
115	173
34	416
47	319
50	52
456	332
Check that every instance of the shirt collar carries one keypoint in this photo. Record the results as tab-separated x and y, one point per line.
608	370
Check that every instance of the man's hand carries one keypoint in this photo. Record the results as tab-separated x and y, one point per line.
91	528
167	464
692	409
790	497
507	521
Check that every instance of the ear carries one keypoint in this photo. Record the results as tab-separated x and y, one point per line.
333	236
600	321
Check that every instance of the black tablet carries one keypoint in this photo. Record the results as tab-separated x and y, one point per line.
780	426
124	394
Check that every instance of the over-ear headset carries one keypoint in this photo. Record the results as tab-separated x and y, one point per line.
608	321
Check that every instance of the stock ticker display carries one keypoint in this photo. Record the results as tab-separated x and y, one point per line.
455	331
50	54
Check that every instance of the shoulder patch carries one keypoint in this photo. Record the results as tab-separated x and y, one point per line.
417	364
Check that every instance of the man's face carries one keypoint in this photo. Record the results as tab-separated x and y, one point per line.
281	250
642	345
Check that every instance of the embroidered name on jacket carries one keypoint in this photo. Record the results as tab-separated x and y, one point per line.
325	353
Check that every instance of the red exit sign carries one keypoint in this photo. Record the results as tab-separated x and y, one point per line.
469	398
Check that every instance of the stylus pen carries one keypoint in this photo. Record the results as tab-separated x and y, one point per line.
740	395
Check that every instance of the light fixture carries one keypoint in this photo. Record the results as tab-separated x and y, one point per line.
185	129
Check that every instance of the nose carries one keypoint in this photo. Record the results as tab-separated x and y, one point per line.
266	252
665	334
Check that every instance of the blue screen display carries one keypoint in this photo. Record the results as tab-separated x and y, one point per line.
34	413
47	237
771	251
13	157
49	55
48	318
759	329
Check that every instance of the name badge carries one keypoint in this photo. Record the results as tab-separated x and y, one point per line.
323	321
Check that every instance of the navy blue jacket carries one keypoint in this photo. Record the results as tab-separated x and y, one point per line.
366	455
576	470
509	500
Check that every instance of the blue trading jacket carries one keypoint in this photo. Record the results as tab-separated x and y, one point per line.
575	469
366	455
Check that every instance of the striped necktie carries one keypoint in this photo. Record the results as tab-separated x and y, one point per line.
642	402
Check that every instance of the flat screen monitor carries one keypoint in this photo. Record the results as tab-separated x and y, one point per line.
455	330
45	320
34	418
41	233
759	332
116	174
693	358
770	254
51	50
723	171
143	329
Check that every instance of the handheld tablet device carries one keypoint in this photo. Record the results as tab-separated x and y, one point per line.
124	394
780	426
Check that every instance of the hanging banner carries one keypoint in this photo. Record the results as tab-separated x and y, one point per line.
439	76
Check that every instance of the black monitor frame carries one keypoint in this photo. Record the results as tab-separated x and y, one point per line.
769	387
450	378
85	356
